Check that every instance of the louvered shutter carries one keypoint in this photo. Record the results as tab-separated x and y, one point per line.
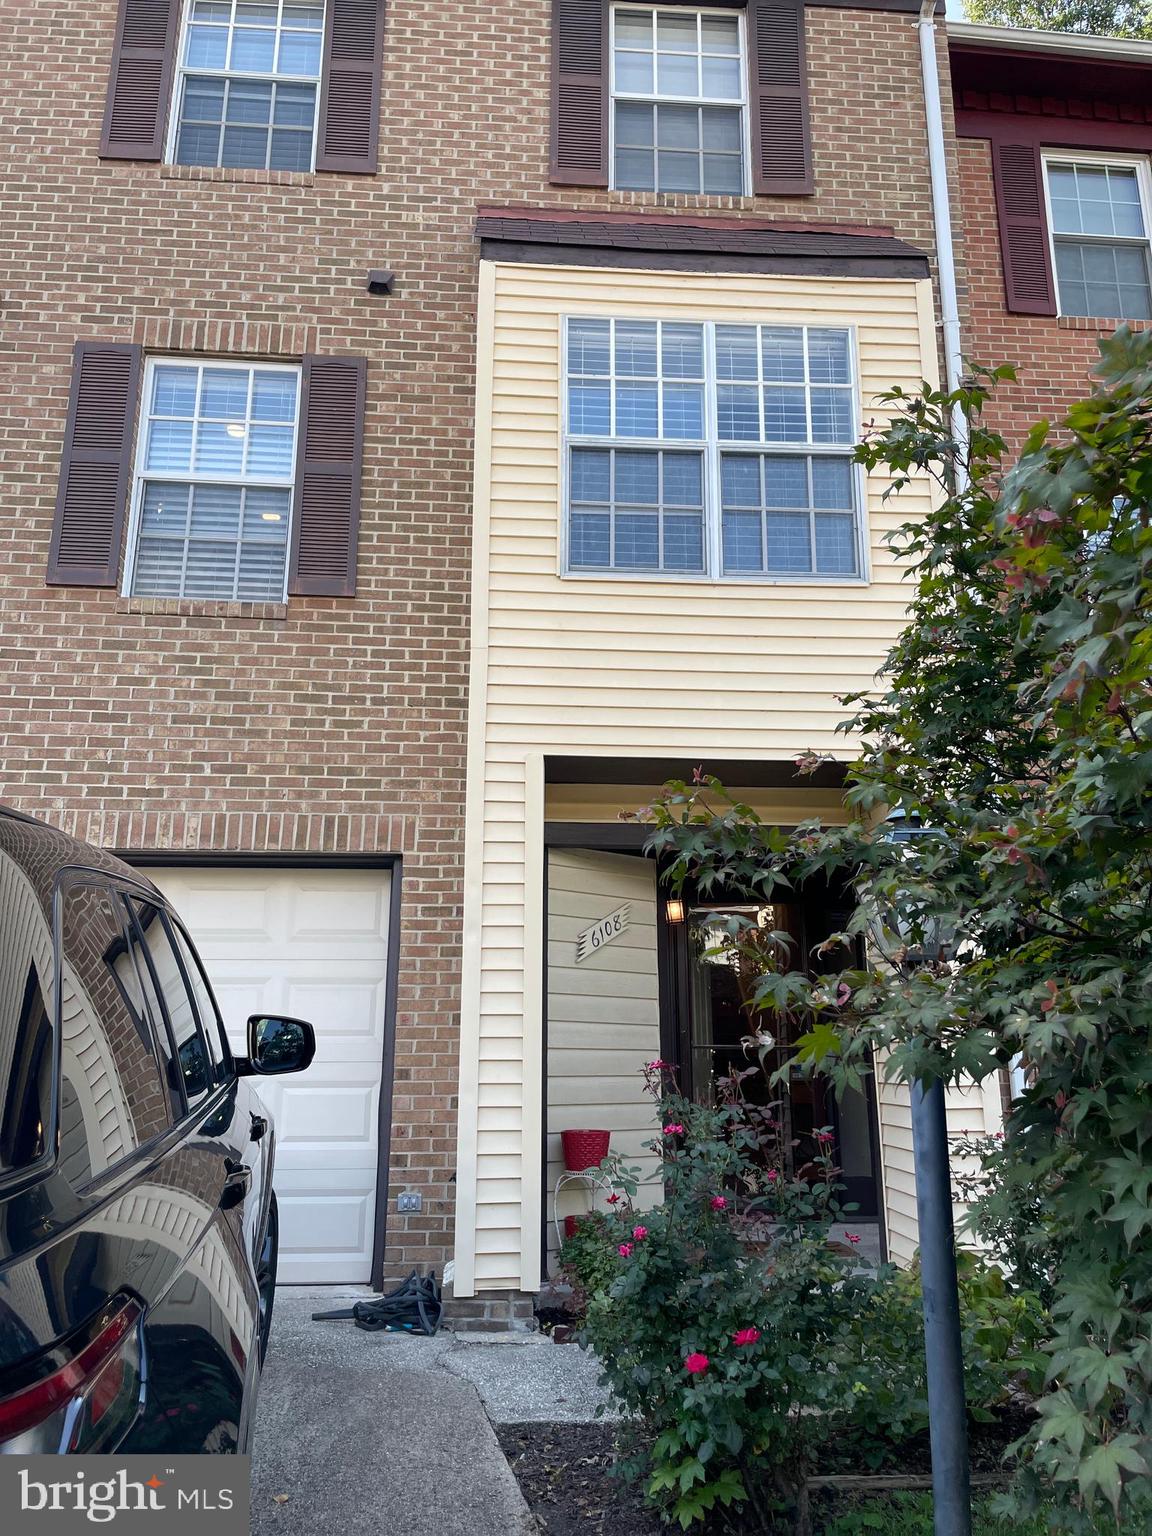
350	99
579	139
326	508
778	78
141	80
96	465
1019	178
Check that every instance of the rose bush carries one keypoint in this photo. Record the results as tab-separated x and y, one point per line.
736	1334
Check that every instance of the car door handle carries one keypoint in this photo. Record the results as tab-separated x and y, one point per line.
259	1126
236	1185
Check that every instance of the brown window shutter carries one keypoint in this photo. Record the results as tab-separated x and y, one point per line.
778	88
96	465
326	508
141	80
1019	177
579	140
350	98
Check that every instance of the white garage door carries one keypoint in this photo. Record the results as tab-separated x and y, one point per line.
312	944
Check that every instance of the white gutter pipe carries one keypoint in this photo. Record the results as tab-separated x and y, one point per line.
942	217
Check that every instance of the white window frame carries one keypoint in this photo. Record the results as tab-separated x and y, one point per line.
712	449
1141	164
181	72
141	475
742	105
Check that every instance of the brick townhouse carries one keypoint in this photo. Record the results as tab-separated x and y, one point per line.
1055	203
425	430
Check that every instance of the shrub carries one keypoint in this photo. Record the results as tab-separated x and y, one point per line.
1006	1201
737	1337
586	1259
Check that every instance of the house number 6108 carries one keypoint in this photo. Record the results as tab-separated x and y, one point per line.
593	939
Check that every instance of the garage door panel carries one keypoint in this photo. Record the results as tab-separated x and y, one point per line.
344	911
312	944
222	911
333	1113
350	1008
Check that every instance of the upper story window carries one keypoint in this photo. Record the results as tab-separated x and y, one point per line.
214	478
678	104
707	449
1099	215
248	84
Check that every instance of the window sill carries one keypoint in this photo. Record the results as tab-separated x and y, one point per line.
201	608
238	175
704	579
1091	323
700	200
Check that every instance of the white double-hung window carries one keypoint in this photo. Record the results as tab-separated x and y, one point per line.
212	503
1100	213
704	449
678	103
248	84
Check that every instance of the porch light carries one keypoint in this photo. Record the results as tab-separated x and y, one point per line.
674	910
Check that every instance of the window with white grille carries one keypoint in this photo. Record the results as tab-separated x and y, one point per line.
1099	216
213	496
678	119
711	450
248	84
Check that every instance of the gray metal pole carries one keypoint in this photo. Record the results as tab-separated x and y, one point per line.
947	1415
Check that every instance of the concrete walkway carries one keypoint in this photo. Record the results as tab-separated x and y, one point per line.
377	1434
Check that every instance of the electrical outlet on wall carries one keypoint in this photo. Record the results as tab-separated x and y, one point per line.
409	1202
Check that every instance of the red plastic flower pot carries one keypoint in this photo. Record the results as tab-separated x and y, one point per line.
584	1149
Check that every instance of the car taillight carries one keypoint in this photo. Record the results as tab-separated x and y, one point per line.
85	1395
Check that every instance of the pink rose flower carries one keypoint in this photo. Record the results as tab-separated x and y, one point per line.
613	1199
853	1237
673	1128
746	1336
719	1203
639	1233
771	1175
823	1137
625	1250
658	1066
696	1364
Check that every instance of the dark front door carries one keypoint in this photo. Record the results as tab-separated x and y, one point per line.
716	1021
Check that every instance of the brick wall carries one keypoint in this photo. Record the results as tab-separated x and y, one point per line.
320	725
1054	357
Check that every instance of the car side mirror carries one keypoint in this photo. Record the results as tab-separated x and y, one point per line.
277	1045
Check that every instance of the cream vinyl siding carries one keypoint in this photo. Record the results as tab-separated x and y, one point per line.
603	1016
607	802
972	1110
641	666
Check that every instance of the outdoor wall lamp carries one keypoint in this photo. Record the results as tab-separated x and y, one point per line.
674	910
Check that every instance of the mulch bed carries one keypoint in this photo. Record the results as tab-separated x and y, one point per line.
565	1473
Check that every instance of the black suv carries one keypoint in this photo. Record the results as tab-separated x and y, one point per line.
137	1219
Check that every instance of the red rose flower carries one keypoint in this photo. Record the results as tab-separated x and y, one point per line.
696	1364
746	1336
719	1203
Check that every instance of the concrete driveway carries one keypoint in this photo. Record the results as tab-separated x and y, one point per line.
375	1434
